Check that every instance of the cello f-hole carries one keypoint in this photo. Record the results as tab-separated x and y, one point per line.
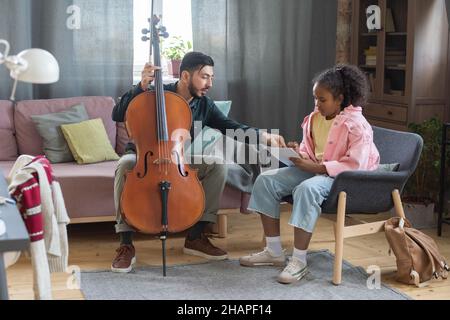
180	165
140	176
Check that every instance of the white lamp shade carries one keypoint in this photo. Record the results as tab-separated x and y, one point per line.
41	67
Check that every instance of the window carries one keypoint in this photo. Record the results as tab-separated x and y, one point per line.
177	18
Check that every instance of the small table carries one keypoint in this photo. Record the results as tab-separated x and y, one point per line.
445	142
16	237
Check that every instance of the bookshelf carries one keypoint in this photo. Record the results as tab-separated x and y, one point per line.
405	62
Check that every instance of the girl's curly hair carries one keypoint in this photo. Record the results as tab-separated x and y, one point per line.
347	80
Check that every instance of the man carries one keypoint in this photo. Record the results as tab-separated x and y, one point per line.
196	77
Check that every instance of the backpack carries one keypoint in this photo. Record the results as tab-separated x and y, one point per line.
418	257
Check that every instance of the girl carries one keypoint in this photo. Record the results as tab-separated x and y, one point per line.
336	138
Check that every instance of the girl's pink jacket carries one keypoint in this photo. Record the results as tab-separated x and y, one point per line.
350	143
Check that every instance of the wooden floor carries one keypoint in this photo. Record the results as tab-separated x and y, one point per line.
92	247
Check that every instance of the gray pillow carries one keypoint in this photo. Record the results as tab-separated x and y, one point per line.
388	167
49	128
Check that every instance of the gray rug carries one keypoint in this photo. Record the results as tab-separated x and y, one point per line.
227	280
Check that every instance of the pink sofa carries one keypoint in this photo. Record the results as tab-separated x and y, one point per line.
87	189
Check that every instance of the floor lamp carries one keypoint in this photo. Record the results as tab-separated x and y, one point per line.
31	65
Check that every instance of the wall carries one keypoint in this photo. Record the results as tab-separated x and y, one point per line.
343	34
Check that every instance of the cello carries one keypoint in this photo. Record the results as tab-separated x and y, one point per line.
161	193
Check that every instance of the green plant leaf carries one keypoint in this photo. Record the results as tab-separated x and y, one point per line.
176	48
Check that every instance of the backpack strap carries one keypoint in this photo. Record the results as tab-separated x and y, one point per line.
426	245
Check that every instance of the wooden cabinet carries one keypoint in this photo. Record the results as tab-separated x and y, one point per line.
405	62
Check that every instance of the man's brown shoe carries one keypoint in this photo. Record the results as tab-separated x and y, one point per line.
124	260
203	248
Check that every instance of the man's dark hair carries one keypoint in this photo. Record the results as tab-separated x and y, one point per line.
194	61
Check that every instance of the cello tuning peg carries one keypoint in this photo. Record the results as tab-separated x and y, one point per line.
145	38
145	31
163	29
165	35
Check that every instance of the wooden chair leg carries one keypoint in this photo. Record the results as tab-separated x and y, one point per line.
398	204
222	225
339	239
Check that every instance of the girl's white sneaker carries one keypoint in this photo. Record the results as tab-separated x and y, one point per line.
263	258
294	271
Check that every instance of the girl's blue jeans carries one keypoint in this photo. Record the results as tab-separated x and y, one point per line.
308	191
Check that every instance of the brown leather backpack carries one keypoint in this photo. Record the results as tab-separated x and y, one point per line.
418	257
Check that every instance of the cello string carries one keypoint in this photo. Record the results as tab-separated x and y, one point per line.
167	154
159	156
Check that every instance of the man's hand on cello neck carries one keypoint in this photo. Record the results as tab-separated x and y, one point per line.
148	75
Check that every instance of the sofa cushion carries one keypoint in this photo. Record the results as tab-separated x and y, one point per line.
49	128
8	145
28	139
5	167
89	142
88	190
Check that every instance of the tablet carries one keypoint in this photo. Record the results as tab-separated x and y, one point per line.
283	155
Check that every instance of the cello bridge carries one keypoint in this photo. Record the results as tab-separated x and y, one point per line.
162	161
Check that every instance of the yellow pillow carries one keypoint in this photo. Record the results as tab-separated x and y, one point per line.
89	142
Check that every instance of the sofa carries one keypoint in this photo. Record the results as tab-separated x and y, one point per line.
88	189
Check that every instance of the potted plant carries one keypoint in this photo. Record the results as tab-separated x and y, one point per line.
174	52
422	190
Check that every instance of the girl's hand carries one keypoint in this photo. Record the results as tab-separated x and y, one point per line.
309	165
293	145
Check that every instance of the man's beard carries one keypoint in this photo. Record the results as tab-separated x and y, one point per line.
192	91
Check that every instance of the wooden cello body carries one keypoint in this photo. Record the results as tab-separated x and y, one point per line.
157	162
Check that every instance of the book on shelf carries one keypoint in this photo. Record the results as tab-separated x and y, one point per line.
371	51
371	60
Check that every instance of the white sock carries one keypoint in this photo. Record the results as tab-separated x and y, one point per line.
300	255
274	245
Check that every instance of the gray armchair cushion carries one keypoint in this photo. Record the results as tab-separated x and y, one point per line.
388	167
